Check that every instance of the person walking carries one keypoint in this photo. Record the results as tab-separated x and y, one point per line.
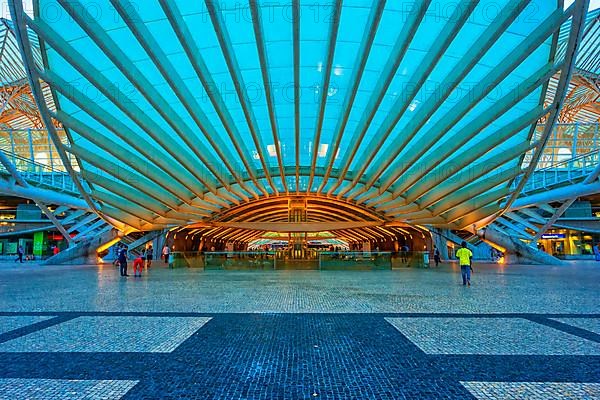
123	260
465	257
20	253
404	253
597	251
149	255
165	253
436	256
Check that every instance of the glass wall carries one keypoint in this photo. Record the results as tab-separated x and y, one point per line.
33	149
567	141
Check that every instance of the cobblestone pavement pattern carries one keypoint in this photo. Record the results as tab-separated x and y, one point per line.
83	332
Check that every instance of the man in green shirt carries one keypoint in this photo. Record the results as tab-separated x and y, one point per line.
464	258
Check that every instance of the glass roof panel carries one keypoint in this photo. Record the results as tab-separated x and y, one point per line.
398	97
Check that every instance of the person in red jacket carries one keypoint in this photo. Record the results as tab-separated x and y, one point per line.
138	265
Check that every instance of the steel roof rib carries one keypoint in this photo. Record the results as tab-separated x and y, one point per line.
296	50
396	56
465	174
142	199
333	34
365	50
484	119
143	184
25	47
433	57
577	11
194	55
135	23
169	159
264	68
116	95
456	113
428	179
495	166
179	194
120	129
145	87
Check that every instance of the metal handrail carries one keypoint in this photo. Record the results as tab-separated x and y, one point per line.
552	176
39	171
31	162
570	160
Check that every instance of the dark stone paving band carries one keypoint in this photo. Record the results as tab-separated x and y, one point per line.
297	355
38	326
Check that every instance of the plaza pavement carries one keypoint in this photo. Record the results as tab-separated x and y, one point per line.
84	332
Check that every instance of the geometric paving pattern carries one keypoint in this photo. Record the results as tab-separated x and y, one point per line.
501	336
60	389
109	334
568	290
533	390
589	324
339	356
521	333
8	324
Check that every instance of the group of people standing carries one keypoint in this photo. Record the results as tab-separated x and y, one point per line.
144	260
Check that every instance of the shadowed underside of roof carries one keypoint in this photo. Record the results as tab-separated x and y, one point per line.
182	112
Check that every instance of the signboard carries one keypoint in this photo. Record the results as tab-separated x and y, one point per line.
40	242
553	236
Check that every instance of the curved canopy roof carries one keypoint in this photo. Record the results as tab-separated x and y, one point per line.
179	110
583	95
17	107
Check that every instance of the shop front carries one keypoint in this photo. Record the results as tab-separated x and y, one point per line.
569	244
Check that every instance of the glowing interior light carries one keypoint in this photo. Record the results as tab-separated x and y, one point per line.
563	154
323	149
272	151
338	70
413	105
41	158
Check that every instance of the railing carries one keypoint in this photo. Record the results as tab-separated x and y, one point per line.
273	260
38	173
571	171
223	260
35	145
355	260
566	141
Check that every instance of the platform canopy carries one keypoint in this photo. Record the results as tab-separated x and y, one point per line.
184	111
